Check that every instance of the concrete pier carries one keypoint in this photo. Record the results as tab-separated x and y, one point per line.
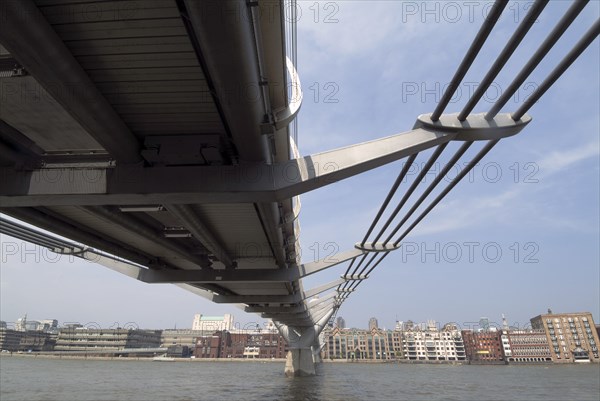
304	346
299	362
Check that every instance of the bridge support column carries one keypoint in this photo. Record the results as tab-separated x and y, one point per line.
303	342
299	362
316	351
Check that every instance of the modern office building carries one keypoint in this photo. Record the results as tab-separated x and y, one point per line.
212	323
572	336
340	322
373	325
10	339
180	337
30	340
86	339
179	342
36	341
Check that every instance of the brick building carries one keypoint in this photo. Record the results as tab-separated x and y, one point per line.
209	346
483	346
223	344
572	336
265	345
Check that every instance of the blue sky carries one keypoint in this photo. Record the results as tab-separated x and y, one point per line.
517	236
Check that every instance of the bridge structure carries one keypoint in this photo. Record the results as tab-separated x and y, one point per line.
158	139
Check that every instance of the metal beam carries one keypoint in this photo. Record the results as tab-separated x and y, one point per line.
25	145
40	50
17	148
217	276
226	49
321	314
68	229
322	288
275	299
270	218
198	291
301	310
8	154
190	220
245	275
290	320
316	313
251	182
142	230
257	299
276	309
316	305
329	261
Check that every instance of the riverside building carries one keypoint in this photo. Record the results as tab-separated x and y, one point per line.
10	339
484	346
526	346
354	344
572	336
432	344
29	340
254	345
109	340
180	337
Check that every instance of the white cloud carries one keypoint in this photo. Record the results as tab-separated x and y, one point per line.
460	213
560	160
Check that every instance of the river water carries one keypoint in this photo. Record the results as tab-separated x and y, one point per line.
59	379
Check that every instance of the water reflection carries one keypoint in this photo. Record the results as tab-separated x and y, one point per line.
305	388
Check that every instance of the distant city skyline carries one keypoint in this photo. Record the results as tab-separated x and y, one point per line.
217	322
518	236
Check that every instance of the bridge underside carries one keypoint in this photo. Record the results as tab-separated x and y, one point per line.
134	138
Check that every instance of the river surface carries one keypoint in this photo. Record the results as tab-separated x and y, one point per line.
59	379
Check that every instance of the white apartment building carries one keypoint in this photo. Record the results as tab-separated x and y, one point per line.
433	344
